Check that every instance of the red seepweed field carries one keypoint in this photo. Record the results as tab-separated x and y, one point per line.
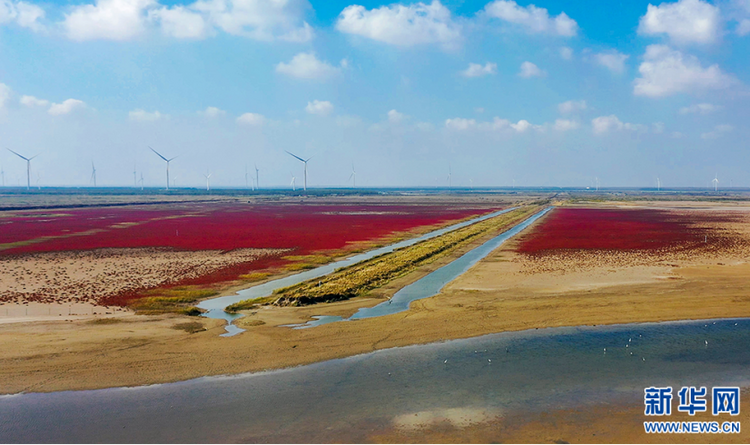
304	228
620	229
299	229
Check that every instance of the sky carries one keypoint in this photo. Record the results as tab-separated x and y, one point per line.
550	93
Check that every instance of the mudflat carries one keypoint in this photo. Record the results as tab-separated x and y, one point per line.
505	292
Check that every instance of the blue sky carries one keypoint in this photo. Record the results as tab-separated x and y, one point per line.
551	93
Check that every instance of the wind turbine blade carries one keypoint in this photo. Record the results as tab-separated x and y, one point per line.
20	156
159	154
296	156
170	160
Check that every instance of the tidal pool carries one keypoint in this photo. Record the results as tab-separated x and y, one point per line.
349	400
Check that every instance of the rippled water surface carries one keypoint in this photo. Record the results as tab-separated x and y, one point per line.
346	400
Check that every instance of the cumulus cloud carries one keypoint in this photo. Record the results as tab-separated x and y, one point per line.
24	14
401	25
66	107
717	131
461	124
259	19
612	60
704	108
686	21
531	18
212	112
395	117
528	69
140	115
571	106
180	22
566	125
129	19
108	20
308	66
252	119
605	124
477	70
31	101
743	28
4	94
319	107
665	71
566	53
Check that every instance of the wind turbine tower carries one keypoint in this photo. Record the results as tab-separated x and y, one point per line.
305	162
93	173
135	181
247	186
353	177
165	160
2	173
208	181
715	181
141	180
28	167
257	184
658	184
294	188
450	184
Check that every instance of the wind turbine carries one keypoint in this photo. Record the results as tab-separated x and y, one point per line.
449	177
93	173
658	184
135	181
165	160
141	180
715	181
596	179
174	182
2	173
354	177
247	186
28	167
208	181
257	184
38	178
305	162
294	188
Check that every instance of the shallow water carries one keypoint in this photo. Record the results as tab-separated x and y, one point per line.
349	399
429	285
216	306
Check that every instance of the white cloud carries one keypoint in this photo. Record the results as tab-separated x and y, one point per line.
566	53
528	69
604	124
180	22
395	117
686	21
108	20
658	127
259	19
401	25
700	109
307	66
460	123
253	119
665	71
565	125
212	112
4	94
26	15
572	106
612	60
717	131
477	70
66	107
145	116
743	28
533	19
31	101
319	107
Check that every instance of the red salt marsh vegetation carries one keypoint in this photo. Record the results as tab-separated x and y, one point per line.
619	229
305	228
38	249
